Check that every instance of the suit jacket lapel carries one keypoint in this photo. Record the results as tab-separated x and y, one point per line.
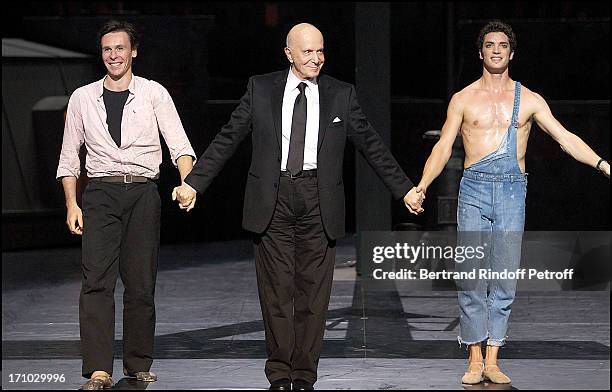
324	109
278	90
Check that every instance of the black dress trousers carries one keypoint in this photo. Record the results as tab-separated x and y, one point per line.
120	237
295	263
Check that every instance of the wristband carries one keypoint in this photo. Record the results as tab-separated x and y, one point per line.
599	163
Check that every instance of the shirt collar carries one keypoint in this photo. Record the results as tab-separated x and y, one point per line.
131	87
293	81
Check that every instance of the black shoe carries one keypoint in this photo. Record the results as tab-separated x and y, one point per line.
284	384
301	385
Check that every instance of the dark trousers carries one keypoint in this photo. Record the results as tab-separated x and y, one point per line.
120	237
294	261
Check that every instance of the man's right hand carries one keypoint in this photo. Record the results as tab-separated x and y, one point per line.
74	219
185	196
605	169
414	200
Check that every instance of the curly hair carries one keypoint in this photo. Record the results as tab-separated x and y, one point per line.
114	25
497	26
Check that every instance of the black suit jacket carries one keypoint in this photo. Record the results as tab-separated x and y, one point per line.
260	110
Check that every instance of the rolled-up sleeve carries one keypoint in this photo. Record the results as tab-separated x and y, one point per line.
69	162
170	124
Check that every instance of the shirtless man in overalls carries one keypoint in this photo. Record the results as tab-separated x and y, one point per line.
494	115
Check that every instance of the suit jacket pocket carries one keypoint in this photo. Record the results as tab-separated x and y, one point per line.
253	175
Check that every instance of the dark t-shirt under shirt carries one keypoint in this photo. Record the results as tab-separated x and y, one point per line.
114	101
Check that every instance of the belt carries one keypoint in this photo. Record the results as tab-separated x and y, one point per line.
126	179
302	174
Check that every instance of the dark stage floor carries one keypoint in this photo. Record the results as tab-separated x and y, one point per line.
382	335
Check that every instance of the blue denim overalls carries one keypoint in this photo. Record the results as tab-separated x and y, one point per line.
492	205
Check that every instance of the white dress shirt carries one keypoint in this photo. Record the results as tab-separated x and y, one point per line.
312	120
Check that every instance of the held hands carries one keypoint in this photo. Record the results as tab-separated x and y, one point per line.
74	219
414	199
185	196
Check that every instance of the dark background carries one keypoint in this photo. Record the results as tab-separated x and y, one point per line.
205	52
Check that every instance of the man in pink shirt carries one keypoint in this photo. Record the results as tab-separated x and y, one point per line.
119	118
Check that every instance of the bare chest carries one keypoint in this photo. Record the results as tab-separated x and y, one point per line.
489	112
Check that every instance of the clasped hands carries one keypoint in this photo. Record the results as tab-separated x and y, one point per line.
414	200
185	196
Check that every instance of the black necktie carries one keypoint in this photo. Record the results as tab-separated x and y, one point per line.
295	161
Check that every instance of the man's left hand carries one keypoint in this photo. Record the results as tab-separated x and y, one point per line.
185	196
414	199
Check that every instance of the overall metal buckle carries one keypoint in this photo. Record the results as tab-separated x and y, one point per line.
125	178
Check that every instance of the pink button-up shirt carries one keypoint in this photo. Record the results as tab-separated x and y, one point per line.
148	111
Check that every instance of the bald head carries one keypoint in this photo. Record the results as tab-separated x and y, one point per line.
302	31
304	50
